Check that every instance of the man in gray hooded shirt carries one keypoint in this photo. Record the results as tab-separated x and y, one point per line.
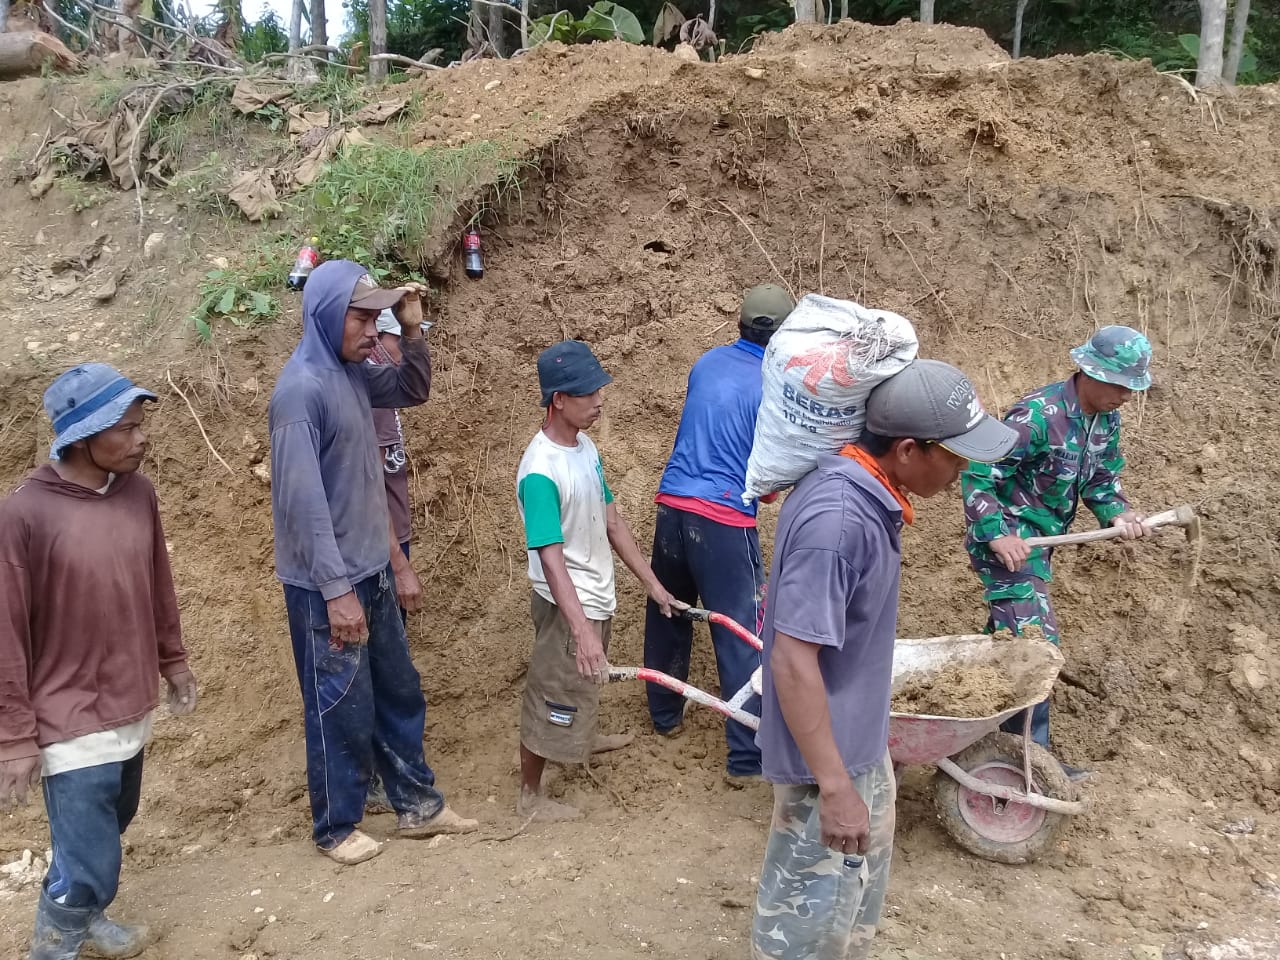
362	696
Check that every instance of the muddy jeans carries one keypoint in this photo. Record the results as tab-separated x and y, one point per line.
364	711
89	810
1016	603
815	903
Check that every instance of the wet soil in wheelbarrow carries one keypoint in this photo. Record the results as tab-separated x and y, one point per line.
961	690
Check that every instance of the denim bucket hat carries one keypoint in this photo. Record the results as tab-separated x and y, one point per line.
569	367
86	400
1118	355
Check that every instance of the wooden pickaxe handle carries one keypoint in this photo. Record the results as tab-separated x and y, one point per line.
1183	516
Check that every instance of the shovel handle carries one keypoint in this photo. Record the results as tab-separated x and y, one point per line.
1179	516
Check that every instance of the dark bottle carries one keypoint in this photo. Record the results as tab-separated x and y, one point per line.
472	261
306	261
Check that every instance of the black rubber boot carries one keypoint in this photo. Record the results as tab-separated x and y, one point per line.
113	940
60	930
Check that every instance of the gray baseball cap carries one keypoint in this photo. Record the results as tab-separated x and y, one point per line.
932	400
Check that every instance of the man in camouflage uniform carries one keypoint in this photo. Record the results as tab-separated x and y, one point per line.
829	632
1068	452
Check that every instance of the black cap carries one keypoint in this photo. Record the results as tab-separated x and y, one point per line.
569	367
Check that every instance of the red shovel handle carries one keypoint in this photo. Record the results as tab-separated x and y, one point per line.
733	626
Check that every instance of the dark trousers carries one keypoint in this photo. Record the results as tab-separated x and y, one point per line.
701	560
364	711
88	810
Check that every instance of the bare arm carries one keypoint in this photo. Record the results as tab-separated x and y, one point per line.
624	544
589	650
802	697
408	586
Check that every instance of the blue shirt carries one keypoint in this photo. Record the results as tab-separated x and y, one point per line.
837	562
717	427
328	504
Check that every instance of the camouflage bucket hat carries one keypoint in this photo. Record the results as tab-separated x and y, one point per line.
1119	355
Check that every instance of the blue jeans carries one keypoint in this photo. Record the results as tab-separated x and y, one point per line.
364	711
88	810
696	558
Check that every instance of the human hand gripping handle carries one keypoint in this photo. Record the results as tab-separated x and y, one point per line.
182	693
1011	550
18	778
1133	524
667	604
346	620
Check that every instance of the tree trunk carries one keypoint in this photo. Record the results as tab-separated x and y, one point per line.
1213	29
524	23
844	9
4	15
295	26
496	26
1238	27
125	40
711	16
1018	14
475	28
27	52
926	11
377	38
319	23
806	11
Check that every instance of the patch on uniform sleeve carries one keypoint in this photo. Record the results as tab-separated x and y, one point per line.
560	714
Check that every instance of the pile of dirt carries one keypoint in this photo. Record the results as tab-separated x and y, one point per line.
1006	208
959	690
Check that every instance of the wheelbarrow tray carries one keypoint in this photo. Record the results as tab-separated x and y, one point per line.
1032	664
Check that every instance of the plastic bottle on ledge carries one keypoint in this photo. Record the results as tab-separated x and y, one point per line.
472	261
305	262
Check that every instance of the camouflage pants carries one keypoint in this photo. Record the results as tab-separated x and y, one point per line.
1016	604
815	903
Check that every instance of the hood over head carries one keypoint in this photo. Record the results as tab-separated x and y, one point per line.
330	289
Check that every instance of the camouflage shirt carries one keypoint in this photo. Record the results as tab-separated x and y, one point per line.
1062	457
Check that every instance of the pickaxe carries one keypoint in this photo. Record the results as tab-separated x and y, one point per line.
1183	516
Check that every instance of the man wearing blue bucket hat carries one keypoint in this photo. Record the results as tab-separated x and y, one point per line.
1068	453
88	622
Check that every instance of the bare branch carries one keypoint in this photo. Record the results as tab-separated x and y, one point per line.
407	61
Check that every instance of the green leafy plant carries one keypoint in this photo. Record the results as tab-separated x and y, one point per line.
603	20
225	293
378	203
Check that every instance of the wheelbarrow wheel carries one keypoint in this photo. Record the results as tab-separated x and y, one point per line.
993	829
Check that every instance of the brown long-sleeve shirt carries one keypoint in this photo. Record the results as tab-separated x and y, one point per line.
88	613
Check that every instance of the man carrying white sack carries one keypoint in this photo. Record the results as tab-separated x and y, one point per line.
818	370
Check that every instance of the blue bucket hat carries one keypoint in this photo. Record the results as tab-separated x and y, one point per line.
86	400
1118	355
569	367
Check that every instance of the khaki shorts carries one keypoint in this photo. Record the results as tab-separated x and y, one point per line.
558	715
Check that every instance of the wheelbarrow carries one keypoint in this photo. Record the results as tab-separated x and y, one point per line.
999	795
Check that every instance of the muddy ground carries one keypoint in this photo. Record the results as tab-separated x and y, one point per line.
1006	208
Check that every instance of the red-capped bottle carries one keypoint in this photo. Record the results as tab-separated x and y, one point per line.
473	263
308	257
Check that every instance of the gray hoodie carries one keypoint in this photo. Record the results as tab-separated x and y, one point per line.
327	499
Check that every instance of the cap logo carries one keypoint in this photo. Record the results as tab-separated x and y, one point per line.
976	412
367	281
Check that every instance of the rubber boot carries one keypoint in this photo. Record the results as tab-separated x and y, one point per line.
115	941
60	930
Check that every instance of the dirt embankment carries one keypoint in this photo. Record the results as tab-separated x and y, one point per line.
1005	207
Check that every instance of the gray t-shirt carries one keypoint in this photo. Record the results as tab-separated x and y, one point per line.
836	567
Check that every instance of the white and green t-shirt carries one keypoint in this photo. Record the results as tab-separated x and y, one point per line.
562	496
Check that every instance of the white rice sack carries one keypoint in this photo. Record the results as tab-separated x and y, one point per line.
818	370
